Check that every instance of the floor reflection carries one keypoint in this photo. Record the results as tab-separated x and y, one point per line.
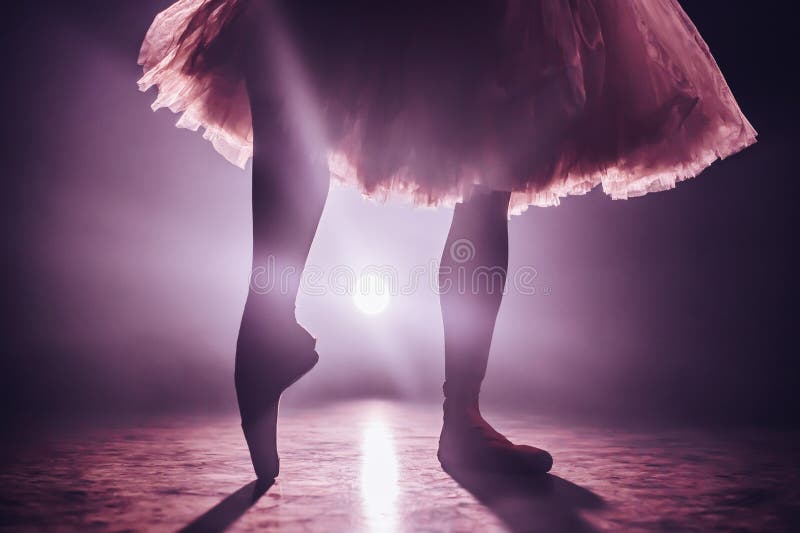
379	474
371	466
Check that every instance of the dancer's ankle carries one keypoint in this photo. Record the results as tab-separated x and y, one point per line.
461	400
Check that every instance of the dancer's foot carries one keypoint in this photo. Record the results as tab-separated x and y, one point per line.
469	442
259	389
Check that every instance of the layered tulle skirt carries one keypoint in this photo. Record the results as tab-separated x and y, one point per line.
429	100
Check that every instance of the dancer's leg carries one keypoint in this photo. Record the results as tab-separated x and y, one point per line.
472	280
273	351
477	244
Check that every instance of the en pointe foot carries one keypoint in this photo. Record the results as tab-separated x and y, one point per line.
469	442
259	389
261	435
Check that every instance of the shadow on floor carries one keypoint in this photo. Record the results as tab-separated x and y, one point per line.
532	503
221	516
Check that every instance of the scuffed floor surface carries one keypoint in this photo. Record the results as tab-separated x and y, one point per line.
371	466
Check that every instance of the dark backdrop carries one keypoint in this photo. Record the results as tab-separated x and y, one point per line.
687	297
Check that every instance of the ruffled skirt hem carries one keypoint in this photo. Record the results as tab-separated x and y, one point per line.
577	94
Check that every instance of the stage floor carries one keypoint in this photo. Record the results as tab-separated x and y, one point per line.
371	466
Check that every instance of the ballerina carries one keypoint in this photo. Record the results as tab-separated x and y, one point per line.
489	106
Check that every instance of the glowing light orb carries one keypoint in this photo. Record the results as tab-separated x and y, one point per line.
372	294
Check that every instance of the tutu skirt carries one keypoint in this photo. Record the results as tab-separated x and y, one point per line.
429	100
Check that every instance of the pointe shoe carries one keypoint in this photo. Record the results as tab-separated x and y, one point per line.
468	442
259	394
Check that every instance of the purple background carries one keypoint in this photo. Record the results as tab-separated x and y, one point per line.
126	255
